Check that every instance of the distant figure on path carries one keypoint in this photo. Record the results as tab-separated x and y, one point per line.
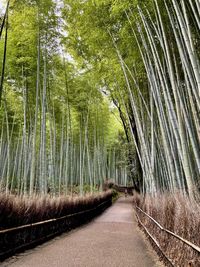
125	192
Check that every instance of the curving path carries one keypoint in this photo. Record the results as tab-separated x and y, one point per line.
111	240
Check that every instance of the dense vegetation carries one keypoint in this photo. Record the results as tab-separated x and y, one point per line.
92	90
58	129
98	90
146	55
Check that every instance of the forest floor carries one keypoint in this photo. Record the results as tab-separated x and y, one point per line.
111	240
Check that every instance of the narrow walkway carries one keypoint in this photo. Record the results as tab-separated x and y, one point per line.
111	240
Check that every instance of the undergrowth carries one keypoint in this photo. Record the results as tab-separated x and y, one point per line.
178	214
16	211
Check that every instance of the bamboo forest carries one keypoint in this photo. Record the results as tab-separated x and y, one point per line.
100	103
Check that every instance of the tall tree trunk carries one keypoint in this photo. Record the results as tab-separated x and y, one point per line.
4	54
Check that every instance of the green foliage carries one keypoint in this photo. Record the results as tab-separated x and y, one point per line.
62	75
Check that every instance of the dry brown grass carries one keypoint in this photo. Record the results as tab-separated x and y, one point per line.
178	214
16	211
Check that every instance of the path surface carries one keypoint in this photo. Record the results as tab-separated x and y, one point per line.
111	240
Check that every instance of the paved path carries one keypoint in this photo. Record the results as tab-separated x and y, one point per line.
111	240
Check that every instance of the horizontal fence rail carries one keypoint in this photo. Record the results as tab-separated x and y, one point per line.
51	220
190	244
168	261
19	238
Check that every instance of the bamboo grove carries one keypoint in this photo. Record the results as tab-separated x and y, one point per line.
56	127
152	71
93	90
169	125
